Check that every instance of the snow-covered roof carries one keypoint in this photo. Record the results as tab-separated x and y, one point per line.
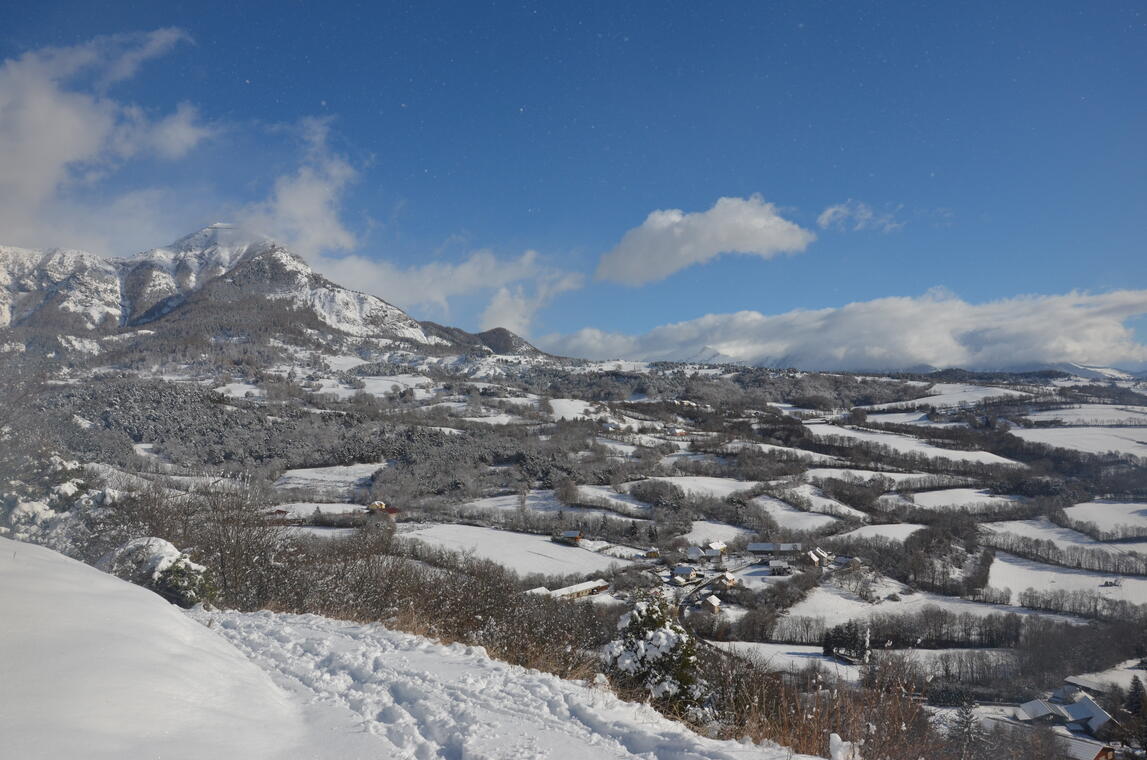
596	584
713	601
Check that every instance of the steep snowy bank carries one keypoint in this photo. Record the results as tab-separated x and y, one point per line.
426	700
94	667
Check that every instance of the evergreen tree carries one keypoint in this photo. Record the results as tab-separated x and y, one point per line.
966	732
656	653
1134	702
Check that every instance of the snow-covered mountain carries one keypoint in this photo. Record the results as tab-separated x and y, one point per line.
80	293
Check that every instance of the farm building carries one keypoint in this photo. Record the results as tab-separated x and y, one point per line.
711	604
568	537
579	590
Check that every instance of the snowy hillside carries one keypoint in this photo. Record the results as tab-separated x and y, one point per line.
95	667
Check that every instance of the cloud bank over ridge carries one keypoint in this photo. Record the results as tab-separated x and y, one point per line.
936	329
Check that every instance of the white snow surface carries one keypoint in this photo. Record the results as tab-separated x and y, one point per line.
1017	574
95	667
523	553
705	531
1094	414
970	499
905	444
789	517
1093	440
418	699
1108	514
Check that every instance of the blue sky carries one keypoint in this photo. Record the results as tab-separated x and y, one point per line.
973	153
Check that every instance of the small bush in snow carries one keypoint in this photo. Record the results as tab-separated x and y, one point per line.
156	564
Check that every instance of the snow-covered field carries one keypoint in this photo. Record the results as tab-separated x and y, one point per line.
789	658
708	530
820	503
945	395
540	501
1111	515
1094	414
93	667
1043	529
897	532
836	606
734	447
1017	574
905	444
847	473
970	499
523	553
700	485
336	482
1094	440
788	517
308	508
618	502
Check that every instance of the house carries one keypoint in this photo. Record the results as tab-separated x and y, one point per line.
779	567
568	537
762	549
695	554
724	581
815	558
717	548
1083	748
711	604
682	574
652	554
774	549
1081	714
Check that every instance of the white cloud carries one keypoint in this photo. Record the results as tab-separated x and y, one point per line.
515	308
304	209
936	329
522	285
857	215
60	132
670	239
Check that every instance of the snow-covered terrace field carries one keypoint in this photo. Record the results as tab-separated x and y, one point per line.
1094	414
836	606
946	395
540	501
523	553
905	444
1018	574
897	532
1111	515
699	485
337	482
818	502
1092	440
790	658
705	531
970	499
788	517
1043	529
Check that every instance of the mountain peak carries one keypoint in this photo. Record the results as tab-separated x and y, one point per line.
219	234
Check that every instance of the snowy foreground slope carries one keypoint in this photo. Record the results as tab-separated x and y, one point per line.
94	667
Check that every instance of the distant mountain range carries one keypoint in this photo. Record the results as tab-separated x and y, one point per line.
81	294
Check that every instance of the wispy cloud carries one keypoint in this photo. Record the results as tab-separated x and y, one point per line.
61	131
670	239
856	216
304	209
936	329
